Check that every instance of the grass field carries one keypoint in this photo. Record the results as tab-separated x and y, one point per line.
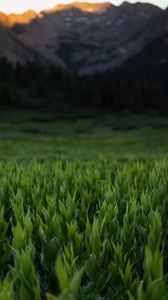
85	231
26	135
83	207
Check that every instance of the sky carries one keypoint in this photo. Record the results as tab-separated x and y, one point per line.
19	6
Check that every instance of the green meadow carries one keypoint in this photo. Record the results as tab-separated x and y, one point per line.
26	135
83	207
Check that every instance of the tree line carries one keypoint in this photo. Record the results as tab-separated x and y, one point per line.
33	85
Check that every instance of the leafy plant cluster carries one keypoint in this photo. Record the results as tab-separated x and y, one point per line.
84	230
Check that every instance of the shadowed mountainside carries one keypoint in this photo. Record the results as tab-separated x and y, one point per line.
82	37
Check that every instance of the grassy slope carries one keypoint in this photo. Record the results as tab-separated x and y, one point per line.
26	135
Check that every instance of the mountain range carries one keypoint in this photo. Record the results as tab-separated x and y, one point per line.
88	38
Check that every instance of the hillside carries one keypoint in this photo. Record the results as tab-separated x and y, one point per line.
151	62
14	49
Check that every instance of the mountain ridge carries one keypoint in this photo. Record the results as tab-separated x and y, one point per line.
83	37
31	14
